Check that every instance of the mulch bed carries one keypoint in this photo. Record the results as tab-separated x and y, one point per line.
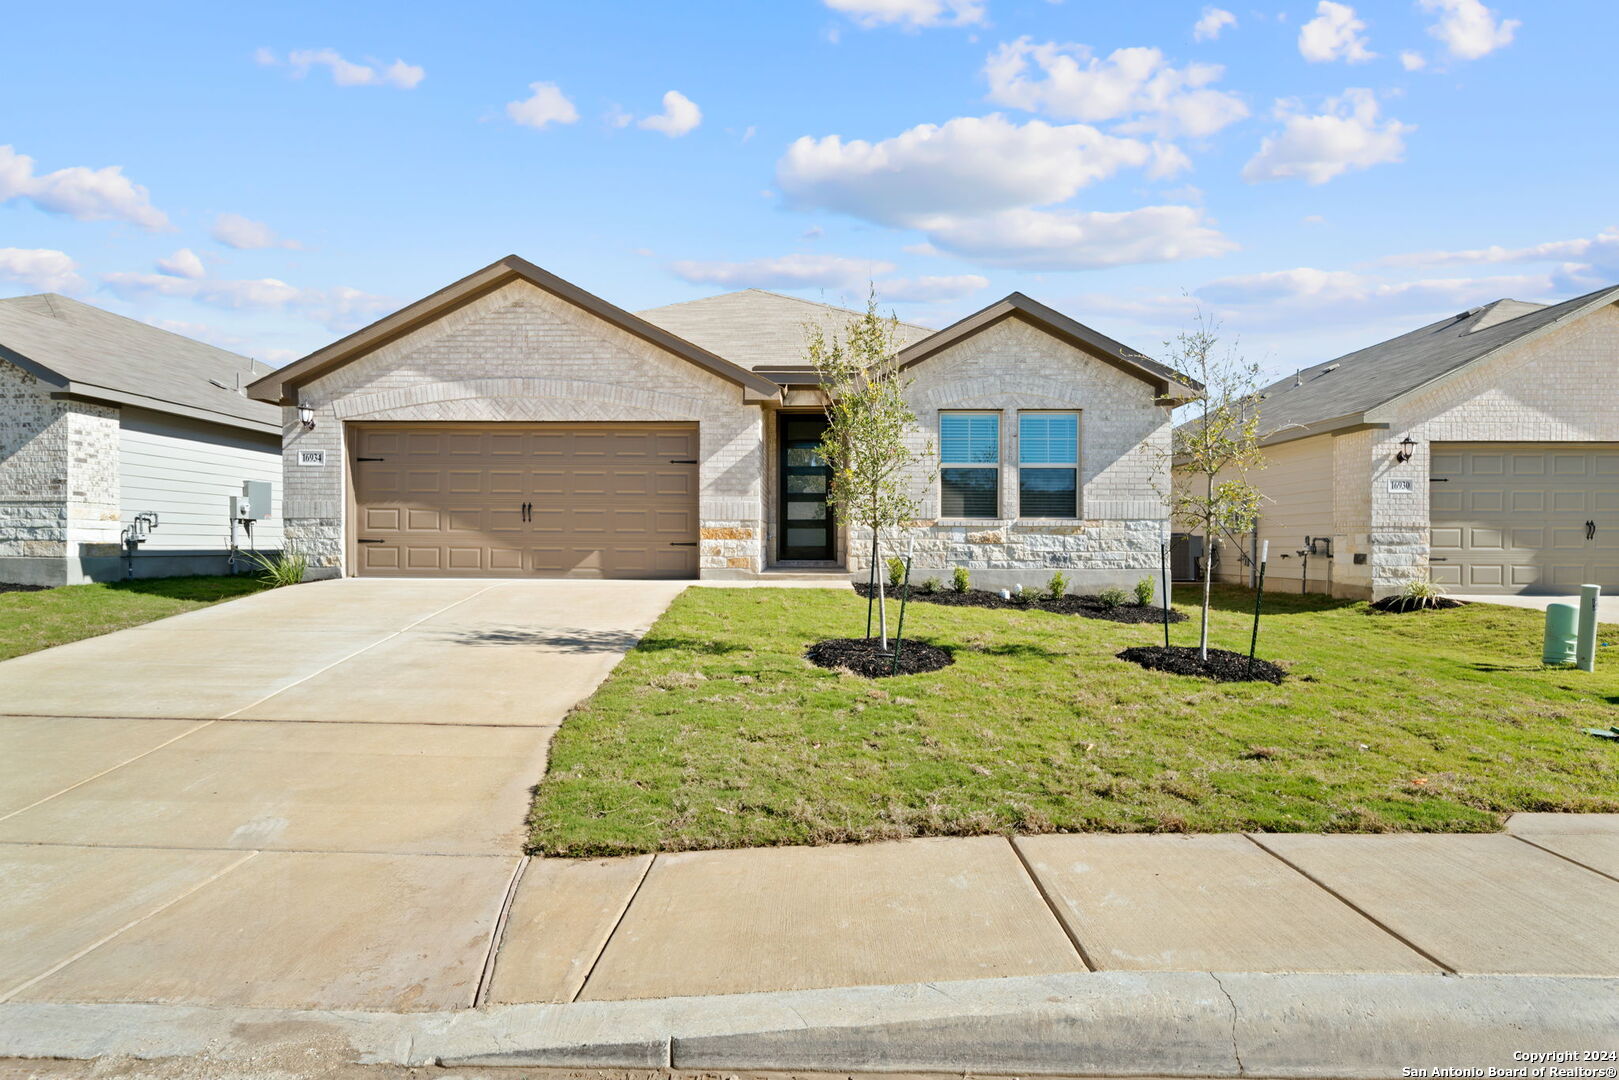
1403	605
4	588
1088	607
864	656
1221	666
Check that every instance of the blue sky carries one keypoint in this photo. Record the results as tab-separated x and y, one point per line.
1317	175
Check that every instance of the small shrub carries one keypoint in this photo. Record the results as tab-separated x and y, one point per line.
276	572
959	579
1421	594
1057	586
896	571
1112	597
1021	595
1145	589
930	586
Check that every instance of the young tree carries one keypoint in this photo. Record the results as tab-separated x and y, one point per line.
1213	453
871	441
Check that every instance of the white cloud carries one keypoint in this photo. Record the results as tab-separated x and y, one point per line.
245	234
1283	294
1334	34
930	289
969	165
1079	240
680	116
41	268
183	263
1468	29
1585	263
1348	134
399	75
1412	61
972	185
785	272
1135	85
339	309
910	14
81	193
547	104
1213	20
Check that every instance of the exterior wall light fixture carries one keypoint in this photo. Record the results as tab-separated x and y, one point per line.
1408	446
306	417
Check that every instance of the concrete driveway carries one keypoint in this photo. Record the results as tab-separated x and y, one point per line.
313	795
1607	604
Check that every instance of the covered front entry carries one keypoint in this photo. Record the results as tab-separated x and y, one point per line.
1524	517
805	480
524	500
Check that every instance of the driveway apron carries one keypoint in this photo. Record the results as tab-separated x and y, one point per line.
321	789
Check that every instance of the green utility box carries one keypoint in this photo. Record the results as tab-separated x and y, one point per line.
1562	633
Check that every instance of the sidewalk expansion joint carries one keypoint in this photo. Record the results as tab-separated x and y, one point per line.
1445	968
1565	858
1051	905
497	936
607	942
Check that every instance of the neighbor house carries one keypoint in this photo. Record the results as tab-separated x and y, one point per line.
513	424
104	420
1481	451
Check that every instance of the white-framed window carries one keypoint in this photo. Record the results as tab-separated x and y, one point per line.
969	464
1048	464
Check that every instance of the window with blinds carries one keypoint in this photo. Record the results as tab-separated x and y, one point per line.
969	464
1048	465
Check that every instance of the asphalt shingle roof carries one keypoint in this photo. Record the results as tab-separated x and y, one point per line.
1360	381
759	329
93	350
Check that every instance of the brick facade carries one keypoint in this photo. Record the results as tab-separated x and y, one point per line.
1124	443
1561	386
58	475
522	354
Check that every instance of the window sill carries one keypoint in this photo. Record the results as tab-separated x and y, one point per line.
981	523
1050	521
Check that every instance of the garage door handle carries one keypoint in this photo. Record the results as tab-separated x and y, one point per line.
1437	558
363	540
1590	530
683	461
683	543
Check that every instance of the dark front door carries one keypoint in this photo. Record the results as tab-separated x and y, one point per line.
806	520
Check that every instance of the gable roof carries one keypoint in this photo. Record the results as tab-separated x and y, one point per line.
1346	392
1166	382
282	386
90	353
760	329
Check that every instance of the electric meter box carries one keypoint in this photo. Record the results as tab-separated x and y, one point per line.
253	504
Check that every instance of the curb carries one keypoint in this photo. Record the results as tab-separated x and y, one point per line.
1104	1024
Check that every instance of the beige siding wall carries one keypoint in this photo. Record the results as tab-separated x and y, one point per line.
1297	483
187	470
521	353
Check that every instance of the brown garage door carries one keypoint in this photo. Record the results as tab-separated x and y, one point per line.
525	500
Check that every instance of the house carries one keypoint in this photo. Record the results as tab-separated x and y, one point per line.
104	420
1481	451
513	424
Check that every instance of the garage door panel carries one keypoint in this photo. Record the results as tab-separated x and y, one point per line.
1513	517
1528	464
1523	575
606	501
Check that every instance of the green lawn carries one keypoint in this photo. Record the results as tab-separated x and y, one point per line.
715	732
30	621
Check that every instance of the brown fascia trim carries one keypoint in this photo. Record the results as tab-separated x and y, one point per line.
101	395
280	387
1338	425
1168	384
